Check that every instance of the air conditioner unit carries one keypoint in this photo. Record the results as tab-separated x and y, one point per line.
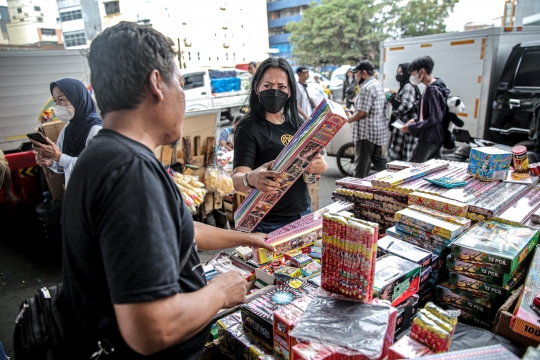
225	27
187	43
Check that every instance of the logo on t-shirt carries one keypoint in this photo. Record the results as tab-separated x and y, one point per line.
285	139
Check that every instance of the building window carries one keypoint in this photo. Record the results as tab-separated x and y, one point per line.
37	8
71	15
39	19
48	32
112	7
529	66
19	10
194	81
75	38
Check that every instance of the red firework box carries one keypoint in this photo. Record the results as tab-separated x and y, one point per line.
439	203
407	348
434	327
526	319
285	319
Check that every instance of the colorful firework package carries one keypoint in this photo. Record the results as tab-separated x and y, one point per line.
429	223
395	279
479	307
485	289
367	329
489	163
520	210
407	348
414	172
305	145
299	234
406	311
348	256
439	203
258	314
493	243
390	245
434	327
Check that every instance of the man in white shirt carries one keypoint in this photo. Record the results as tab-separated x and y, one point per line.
305	104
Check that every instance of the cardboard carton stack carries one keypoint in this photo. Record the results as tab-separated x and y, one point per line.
486	264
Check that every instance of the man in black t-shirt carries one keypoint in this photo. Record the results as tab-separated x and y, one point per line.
131	273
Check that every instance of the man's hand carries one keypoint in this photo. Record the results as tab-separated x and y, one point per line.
405	129
233	287
258	240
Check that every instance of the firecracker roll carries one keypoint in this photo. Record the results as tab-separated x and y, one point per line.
439	203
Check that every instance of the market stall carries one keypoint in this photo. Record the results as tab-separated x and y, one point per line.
435	260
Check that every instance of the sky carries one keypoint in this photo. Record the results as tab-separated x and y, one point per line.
465	11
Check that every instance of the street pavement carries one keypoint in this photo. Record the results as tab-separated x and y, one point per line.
27	264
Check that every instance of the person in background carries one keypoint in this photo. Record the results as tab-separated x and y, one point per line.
252	68
369	132
131	271
428	126
5	181
226	136
404	108
349	89
74	106
271	123
305	104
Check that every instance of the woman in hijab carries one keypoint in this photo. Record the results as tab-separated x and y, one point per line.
74	106
404	108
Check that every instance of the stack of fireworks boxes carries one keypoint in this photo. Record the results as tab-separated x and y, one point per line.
486	264
430	223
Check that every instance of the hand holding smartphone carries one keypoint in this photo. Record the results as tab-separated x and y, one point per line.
38	137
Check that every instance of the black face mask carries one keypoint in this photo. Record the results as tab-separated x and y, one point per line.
361	81
272	100
400	78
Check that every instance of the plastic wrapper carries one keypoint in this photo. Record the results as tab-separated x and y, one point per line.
519	211
491	202
224	157
356	326
211	178
417	171
224	183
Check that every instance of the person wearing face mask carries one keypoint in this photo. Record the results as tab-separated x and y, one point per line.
404	108
370	131
74	106
428	125
349	89
260	137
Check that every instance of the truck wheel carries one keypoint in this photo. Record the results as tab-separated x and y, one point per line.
345	159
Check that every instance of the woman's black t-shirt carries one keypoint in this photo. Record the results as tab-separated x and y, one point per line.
257	142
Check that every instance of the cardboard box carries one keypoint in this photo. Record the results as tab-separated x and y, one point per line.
52	129
209	202
407	348
55	183
525	320
494	243
391	245
504	317
489	163
484	272
479	308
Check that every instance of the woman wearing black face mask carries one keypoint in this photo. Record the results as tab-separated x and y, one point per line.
404	108
272	121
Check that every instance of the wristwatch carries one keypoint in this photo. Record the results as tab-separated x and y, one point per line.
246	182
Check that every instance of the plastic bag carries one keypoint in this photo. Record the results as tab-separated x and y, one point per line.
211	178
224	185
224	157
356	326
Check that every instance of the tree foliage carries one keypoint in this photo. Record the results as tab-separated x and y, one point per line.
424	17
345	31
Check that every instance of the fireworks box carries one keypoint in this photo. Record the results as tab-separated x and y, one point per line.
494	243
407	348
439	204
493	352
406	312
428	223
427	293
425	236
525	320
489	163
258	314
486	290
467	317
300	151
391	245
488	273
480	308
424	275
396	279
427	245
285	318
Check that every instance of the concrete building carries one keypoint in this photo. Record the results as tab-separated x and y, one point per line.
521	13
220	33
280	13
4	20
80	20
33	22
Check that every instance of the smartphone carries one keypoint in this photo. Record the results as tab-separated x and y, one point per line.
38	137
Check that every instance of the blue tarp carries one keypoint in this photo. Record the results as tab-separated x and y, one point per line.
225	85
